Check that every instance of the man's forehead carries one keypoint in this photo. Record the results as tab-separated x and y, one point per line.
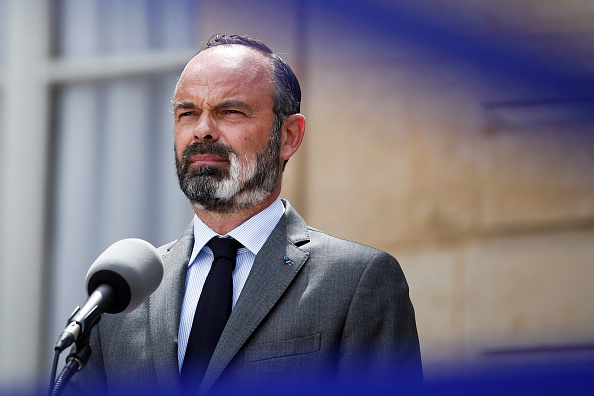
232	58
226	70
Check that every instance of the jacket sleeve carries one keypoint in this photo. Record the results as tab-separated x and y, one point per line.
380	340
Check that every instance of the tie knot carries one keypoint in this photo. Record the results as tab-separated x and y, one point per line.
224	247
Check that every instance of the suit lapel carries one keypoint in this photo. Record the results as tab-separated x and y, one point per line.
269	278
165	309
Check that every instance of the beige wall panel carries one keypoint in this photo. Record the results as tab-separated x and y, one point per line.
391	159
530	290
396	142
539	177
447	121
359	152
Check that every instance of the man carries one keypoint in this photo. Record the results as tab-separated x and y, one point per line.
307	307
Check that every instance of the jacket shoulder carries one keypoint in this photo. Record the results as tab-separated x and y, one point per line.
322	240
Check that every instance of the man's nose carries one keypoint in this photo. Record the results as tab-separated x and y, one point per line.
206	129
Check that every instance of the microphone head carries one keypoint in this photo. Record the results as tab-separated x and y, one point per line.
134	269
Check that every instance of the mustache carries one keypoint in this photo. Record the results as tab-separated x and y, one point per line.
212	148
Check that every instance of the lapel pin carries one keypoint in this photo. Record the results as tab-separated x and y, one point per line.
287	260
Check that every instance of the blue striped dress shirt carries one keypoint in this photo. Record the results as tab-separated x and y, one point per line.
252	234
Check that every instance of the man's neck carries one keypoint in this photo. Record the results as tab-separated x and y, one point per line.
222	223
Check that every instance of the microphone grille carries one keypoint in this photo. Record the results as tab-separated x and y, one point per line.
133	267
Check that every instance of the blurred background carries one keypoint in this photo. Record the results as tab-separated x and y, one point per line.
456	135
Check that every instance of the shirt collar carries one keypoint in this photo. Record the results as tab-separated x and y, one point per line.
252	233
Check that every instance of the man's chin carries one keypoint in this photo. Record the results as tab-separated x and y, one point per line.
215	206
239	201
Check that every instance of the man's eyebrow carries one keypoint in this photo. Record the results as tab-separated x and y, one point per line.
234	103
182	104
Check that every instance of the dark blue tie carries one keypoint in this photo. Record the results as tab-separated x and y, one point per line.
212	312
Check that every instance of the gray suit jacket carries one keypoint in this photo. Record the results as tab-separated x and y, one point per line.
338	310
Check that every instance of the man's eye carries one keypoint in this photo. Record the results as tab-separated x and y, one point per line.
186	113
230	111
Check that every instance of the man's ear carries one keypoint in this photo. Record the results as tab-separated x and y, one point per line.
292	135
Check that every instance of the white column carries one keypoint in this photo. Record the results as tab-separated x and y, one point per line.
24	167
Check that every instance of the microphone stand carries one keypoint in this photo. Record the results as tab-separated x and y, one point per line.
76	360
78	332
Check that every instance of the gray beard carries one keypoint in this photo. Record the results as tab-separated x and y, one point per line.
241	186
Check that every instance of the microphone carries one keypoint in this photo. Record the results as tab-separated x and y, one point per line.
121	278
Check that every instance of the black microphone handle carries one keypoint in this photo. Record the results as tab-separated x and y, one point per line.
85	317
100	299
